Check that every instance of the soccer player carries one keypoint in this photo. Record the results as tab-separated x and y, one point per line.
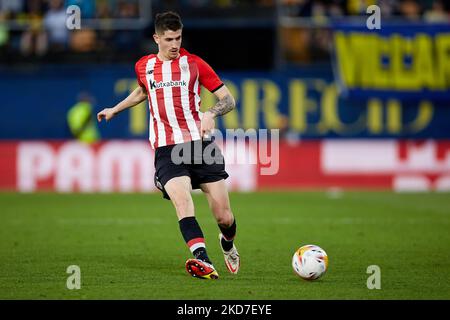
171	81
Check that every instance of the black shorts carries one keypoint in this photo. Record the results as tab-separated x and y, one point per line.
202	161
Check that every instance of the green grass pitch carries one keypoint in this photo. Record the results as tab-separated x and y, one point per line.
128	246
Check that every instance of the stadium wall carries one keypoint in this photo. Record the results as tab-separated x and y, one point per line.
127	166
303	101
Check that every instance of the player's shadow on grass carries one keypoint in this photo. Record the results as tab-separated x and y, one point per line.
158	264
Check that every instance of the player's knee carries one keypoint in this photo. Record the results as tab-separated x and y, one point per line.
225	218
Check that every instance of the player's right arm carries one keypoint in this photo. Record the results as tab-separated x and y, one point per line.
137	96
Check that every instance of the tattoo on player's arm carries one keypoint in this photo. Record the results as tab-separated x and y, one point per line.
225	105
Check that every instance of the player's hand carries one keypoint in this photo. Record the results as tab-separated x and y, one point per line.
106	113
207	124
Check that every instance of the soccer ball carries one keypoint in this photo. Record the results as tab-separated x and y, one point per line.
310	262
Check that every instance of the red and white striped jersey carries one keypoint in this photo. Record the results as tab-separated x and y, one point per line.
173	89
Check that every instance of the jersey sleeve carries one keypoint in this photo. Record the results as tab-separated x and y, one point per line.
207	77
136	70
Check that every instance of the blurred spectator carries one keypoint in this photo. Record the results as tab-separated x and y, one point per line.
83	40
297	8
388	8
437	13
34	39
359	7
410	9
105	37
81	120
55	26
294	42
318	10
126	39
103	9
335	9
4	34
11	8
127	9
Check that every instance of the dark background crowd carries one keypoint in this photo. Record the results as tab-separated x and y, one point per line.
121	30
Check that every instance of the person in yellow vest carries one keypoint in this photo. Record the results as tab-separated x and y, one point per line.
81	120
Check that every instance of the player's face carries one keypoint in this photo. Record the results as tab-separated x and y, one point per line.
169	43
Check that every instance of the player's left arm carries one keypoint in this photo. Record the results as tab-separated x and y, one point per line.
225	104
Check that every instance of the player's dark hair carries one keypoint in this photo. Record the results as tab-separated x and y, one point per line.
167	21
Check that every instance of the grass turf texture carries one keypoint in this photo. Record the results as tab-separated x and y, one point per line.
128	246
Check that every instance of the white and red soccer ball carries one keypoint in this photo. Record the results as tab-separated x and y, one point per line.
310	262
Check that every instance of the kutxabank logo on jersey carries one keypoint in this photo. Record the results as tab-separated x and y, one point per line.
166	84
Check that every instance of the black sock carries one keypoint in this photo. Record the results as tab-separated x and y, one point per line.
201	254
193	235
228	236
